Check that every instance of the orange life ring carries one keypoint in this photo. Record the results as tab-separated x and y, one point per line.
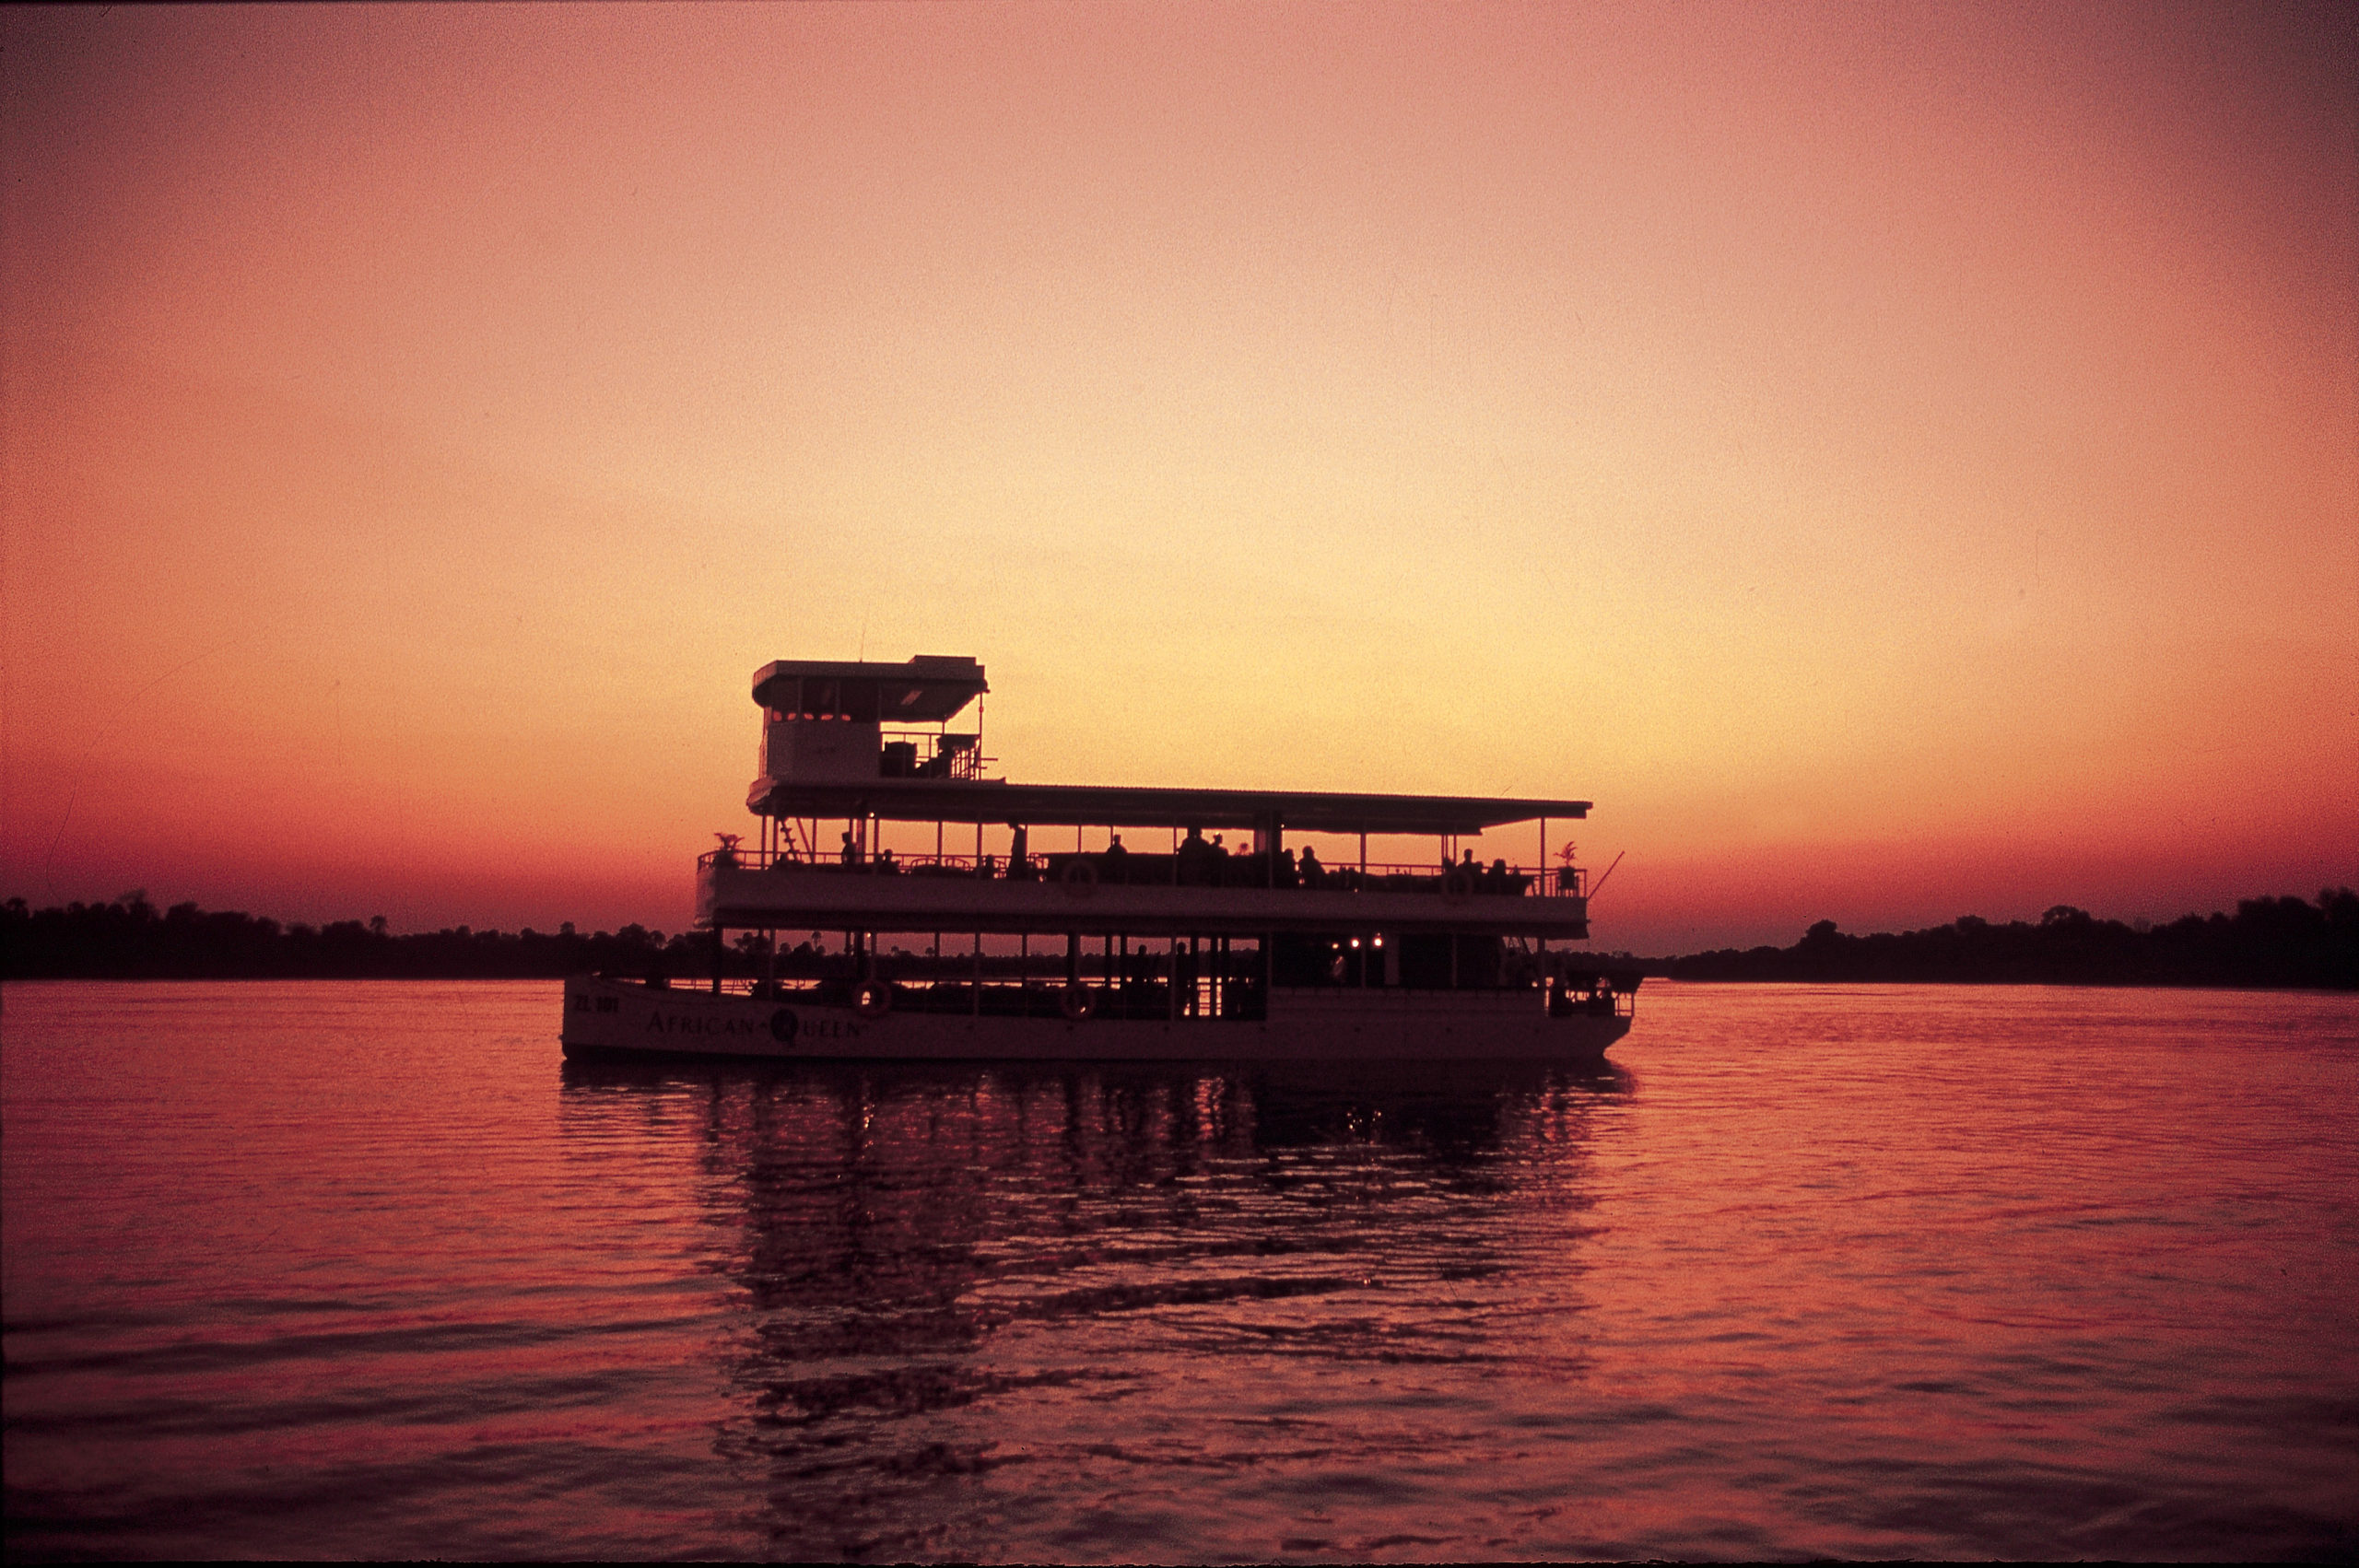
1457	885
1078	1003
872	999
1079	877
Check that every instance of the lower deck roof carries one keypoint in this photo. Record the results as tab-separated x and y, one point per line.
1096	805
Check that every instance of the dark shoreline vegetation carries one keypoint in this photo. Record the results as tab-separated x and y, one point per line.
2268	943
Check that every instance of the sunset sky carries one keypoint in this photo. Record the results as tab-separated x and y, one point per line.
1899	460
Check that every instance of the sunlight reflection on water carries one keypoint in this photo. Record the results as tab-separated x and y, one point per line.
1868	1272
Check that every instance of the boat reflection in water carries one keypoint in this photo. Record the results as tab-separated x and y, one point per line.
1082	1309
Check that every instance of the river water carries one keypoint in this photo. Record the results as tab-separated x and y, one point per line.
364	1269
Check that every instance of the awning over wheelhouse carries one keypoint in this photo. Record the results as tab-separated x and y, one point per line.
928	689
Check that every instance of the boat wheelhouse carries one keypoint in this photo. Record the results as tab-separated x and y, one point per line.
1031	930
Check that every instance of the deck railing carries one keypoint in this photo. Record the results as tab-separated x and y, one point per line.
1041	991
1163	870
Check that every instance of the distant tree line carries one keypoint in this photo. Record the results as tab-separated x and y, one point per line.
2267	942
129	939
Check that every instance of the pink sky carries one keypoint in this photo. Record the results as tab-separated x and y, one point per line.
1897	461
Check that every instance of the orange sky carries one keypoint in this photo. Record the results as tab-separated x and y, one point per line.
1898	461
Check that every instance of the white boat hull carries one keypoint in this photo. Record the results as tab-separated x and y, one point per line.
623	1018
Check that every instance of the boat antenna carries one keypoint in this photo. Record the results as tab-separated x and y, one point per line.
1609	871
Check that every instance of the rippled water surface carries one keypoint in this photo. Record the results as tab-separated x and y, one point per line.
365	1271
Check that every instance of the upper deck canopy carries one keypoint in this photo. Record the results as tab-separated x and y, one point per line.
844	775
928	689
1094	805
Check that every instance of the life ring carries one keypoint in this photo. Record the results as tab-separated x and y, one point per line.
1457	885
1078	1003
1079	877
872	999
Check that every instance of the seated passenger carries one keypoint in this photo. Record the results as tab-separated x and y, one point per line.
1311	872
1116	861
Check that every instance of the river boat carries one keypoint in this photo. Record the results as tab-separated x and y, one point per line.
999	946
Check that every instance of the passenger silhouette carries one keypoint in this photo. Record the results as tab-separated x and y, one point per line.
1193	859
